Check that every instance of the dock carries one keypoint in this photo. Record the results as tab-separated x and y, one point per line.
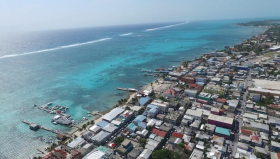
96	113
127	89
43	127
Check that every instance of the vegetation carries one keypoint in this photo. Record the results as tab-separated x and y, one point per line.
182	145
265	102
143	142
119	140
162	99
165	154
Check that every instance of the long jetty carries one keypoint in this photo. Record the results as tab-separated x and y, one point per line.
43	127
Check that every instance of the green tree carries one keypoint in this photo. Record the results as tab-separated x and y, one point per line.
119	140
165	154
143	142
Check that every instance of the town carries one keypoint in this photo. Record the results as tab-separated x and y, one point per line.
225	104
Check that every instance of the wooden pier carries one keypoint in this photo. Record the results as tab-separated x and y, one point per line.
43	127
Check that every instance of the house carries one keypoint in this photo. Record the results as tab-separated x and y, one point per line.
210	128
204	96
188	79
260	127
274	155
136	151
144	101
222	132
100	137
195	114
196	154
275	146
153	110
245	139
221	100
145	154
125	147
250	116
99	153
256	141
255	97
191	92
163	106
131	127
232	105
159	133
242	146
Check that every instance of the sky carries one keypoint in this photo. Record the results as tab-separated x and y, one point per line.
31	15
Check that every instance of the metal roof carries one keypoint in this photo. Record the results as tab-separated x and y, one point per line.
112	114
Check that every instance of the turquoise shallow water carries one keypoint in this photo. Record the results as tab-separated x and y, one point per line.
82	73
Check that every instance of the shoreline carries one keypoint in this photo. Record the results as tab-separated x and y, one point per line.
75	130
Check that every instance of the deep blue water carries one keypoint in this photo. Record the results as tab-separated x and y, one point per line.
81	68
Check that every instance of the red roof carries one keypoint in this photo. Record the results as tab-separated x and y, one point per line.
170	91
278	155
246	132
274	106
159	133
178	135
221	100
193	85
271	111
255	138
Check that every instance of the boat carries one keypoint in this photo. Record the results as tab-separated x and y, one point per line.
89	112
35	105
88	115
84	118
55	123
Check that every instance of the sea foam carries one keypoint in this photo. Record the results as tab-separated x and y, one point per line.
168	26
127	34
56	48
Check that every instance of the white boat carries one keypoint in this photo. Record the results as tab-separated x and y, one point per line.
55	123
88	115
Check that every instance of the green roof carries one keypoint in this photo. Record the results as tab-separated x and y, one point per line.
132	126
102	149
223	131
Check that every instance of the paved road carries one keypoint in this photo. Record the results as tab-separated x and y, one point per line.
247	84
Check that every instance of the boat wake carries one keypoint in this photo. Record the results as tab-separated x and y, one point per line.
168	26
127	34
56	48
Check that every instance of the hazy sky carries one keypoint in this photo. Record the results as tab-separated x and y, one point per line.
18	15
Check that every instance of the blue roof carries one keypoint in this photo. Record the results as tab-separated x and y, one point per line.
102	123
140	118
223	131
152	106
144	100
153	110
142	125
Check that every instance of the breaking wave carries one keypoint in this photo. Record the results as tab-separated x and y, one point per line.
56	48
168	26
127	34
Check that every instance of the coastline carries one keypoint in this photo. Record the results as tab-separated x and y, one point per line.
146	86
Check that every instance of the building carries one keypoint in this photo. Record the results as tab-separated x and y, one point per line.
232	105
76	143
204	96
274	155
144	100
264	92
260	127
220	121
146	154
163	106
191	92
125	147
100	152
196	154
100	137
194	113
255	97
250	116
34	127
112	114
223	132
275	146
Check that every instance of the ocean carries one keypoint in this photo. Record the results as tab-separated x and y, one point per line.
81	68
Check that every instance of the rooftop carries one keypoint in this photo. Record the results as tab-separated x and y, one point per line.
223	119
112	114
